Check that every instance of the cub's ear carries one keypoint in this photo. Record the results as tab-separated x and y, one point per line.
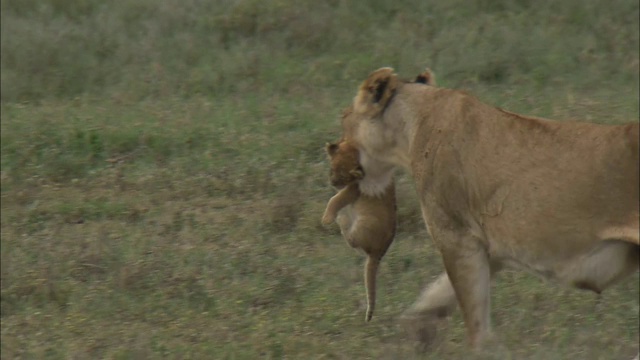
331	148
357	173
376	91
427	77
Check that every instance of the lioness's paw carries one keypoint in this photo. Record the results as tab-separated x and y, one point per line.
422	330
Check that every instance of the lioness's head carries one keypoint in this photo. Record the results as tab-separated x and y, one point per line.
379	88
377	123
375	96
345	166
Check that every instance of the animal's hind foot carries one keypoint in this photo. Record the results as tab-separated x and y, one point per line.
421	329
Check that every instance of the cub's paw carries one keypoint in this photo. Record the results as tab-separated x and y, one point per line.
328	219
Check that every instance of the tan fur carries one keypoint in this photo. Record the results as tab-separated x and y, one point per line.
367	222
426	77
559	199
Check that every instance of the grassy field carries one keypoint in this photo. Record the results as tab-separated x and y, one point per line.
163	174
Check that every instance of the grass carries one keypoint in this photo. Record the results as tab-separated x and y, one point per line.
163	174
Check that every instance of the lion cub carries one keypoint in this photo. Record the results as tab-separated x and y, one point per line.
367	222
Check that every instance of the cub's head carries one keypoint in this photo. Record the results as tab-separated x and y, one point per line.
345	166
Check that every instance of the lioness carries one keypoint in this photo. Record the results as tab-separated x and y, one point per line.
367	222
559	199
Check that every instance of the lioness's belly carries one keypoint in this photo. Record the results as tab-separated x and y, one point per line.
593	268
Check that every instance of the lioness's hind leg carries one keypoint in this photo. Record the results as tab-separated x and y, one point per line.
438	299
606	264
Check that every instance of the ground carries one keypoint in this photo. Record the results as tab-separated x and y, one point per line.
163	174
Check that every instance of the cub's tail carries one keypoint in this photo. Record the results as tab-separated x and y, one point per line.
370	272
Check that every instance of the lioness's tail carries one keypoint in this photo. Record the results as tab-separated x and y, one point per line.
370	272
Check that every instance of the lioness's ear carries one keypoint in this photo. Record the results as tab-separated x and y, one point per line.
376	91
427	77
331	148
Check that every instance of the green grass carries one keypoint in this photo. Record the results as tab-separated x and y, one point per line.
163	174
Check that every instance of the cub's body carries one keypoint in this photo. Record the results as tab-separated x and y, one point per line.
367	222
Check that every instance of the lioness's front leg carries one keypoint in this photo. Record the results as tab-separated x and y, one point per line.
469	270
468	273
437	300
343	198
